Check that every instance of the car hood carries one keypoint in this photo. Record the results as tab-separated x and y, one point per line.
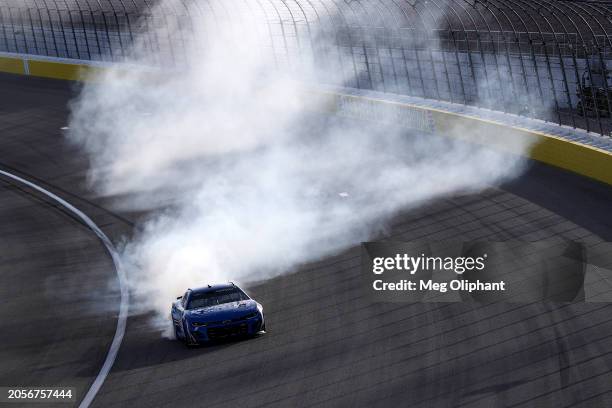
225	311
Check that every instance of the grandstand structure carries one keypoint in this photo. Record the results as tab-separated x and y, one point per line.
546	59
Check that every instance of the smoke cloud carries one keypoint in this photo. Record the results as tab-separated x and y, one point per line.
241	178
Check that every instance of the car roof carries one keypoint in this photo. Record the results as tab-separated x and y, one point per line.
214	287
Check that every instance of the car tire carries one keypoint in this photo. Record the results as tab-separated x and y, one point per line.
188	344
176	332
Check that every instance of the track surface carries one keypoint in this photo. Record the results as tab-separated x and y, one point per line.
327	345
58	310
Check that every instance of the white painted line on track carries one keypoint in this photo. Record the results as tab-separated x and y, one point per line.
123	308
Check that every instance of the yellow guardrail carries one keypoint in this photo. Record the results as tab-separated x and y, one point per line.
46	67
12	65
546	148
550	149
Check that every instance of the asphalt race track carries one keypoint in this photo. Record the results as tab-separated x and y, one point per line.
54	276
327	345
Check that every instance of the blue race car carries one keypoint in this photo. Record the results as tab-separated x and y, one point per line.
216	312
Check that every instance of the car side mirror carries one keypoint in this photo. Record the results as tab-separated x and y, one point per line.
179	298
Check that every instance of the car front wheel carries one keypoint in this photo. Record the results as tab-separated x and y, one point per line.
188	343
176	332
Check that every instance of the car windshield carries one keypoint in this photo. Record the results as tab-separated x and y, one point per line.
215	297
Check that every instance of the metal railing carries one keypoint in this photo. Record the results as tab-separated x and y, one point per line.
548	59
